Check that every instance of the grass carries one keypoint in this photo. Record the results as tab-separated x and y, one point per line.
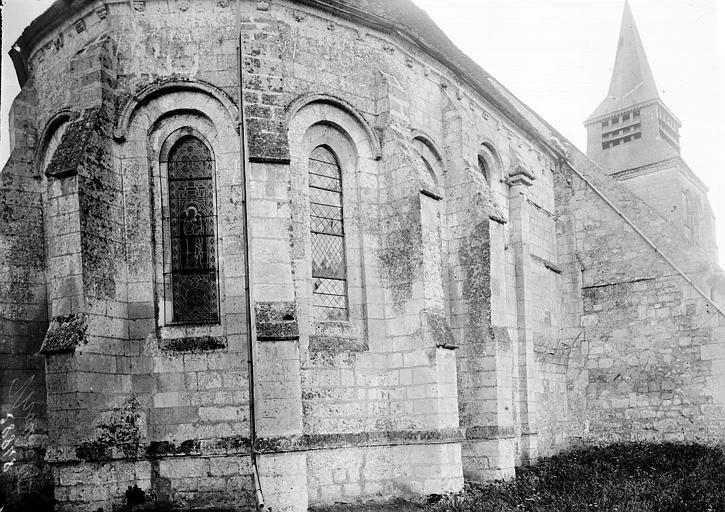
618	478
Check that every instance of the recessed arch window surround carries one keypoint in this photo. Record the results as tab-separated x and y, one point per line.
51	137
489	163
152	124
334	127
192	233
52	144
433	173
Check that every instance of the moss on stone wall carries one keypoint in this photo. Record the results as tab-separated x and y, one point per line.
400	254
475	258
122	431
194	344
77	141
65	334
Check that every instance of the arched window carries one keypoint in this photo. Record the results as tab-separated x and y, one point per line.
53	143
432	180
697	221
192	227
329	272
429	168
693	213
484	168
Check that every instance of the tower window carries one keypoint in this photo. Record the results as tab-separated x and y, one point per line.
693	217
192	225
329	272
621	136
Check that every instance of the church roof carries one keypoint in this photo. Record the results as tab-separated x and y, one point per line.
632	81
398	17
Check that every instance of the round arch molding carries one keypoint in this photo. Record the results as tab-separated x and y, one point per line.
311	100
161	89
429	141
50	126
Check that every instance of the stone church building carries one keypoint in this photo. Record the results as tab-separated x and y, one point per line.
307	252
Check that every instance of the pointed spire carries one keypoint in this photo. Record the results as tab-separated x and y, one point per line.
632	81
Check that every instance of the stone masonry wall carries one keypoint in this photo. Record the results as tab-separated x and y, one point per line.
647	362
664	188
474	340
24	478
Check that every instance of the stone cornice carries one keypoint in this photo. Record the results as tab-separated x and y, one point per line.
654	167
63	11
616	113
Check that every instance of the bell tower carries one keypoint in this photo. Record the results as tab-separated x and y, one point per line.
635	138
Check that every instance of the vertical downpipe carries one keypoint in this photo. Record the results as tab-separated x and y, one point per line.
251	324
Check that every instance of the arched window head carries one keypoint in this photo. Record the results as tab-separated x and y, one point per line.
429	168
693	212
489	163
484	168
327	232
432	164
51	139
192	226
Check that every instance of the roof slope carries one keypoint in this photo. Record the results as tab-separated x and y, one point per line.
400	17
632	80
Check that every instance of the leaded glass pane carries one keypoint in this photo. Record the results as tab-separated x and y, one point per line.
324	155
329	273
328	256
192	226
195	297
329	299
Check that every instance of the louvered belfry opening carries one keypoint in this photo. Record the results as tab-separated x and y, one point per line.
329	274
192	225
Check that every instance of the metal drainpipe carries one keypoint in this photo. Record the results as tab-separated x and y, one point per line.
251	324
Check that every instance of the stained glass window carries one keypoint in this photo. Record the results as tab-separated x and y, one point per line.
329	274
192	225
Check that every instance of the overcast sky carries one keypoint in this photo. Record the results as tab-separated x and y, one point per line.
557	56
